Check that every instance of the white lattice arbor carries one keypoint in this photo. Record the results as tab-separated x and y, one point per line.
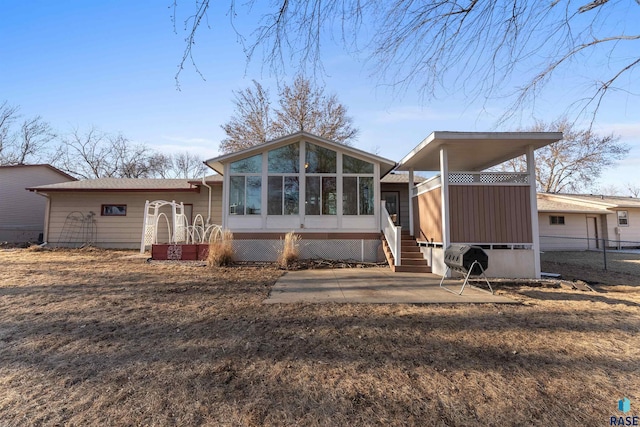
178	230
153	218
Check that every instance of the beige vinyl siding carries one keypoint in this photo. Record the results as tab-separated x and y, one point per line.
572	235
22	211
630	234
123	231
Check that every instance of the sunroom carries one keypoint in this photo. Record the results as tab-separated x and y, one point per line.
326	192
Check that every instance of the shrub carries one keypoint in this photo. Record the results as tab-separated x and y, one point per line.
290	249
221	250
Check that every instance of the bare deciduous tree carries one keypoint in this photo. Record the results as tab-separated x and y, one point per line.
251	123
29	143
634	189
188	166
573	163
440	46
302	107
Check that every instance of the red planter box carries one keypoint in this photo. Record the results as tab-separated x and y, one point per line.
176	252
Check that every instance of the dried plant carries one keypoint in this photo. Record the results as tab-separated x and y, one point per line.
290	249
221	250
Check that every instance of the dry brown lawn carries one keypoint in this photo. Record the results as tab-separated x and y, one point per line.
105	338
589	266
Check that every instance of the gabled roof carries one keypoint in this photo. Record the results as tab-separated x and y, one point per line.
400	178
217	163
473	151
546	204
594	200
41	165
119	184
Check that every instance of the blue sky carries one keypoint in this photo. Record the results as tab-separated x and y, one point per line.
112	64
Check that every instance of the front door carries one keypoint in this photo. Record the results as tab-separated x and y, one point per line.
392	199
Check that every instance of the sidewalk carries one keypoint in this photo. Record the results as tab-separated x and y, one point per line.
372	285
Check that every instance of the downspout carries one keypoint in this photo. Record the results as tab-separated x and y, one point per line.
47	218
209	205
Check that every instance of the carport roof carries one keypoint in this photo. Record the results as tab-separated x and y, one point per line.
473	151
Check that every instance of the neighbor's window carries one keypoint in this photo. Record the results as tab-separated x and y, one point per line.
623	218
556	220
114	210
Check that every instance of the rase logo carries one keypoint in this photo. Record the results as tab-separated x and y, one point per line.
624	406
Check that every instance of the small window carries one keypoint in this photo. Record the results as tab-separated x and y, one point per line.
556	220
623	218
114	210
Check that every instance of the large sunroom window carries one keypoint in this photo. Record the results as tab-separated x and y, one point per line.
357	190
283	180
245	186
321	195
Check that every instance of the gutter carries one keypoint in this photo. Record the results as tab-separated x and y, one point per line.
209	205
47	217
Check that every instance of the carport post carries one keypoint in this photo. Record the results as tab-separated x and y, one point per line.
410	201
533	199
444	194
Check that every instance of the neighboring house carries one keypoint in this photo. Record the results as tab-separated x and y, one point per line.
587	221
109	212
22	213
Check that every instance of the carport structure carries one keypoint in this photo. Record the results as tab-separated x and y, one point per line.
467	204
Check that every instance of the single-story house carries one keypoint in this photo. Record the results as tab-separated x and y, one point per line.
328	193
342	201
588	221
109	212
22	213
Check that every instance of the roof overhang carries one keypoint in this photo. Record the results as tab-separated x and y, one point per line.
217	163
473	151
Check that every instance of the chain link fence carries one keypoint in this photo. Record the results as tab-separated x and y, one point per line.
621	256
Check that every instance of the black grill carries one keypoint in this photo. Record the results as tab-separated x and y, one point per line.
461	258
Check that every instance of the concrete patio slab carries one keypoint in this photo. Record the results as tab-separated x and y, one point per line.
373	286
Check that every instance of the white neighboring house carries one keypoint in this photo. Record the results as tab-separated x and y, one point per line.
22	213
587	221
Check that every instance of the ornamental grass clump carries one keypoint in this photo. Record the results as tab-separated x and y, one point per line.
290	250
221	250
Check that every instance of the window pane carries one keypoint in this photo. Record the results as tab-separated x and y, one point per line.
312	196
353	165
319	159
285	159
274	195
350	195
254	198
291	195
366	196
248	165
236	195
329	196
